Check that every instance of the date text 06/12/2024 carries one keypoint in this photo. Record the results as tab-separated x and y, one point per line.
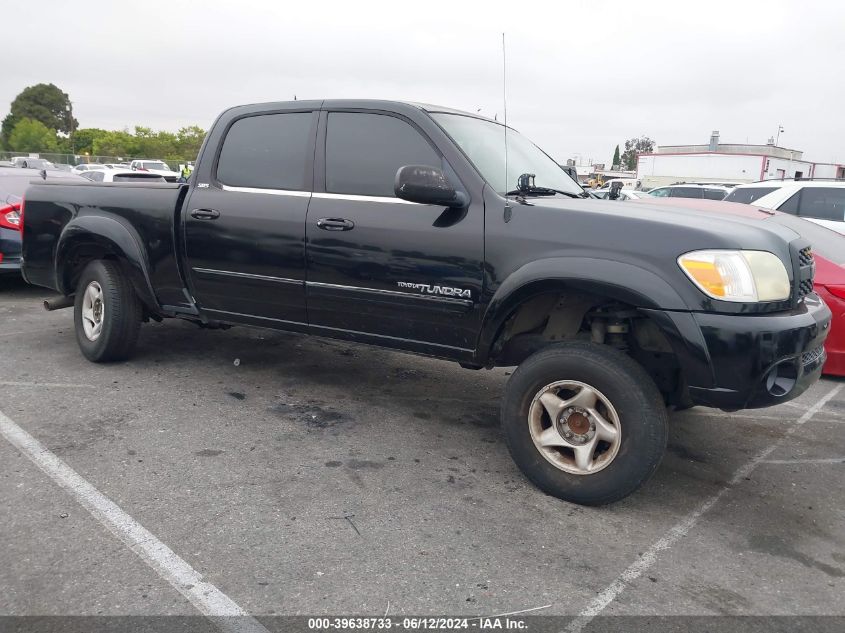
415	623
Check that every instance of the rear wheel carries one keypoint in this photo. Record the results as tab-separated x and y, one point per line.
584	422
107	313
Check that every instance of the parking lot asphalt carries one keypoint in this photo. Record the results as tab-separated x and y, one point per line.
307	476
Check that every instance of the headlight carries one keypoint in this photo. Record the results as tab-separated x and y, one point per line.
746	276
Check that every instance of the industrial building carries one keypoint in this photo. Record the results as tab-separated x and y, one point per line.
728	163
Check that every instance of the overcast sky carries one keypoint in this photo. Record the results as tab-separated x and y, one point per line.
581	76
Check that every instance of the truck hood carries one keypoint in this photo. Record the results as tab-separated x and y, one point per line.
708	226
648	236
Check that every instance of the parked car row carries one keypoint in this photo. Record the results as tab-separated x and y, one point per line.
820	201
122	175
31	163
691	190
84	167
153	167
624	194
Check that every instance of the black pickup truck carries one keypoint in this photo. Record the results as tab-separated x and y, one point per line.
411	227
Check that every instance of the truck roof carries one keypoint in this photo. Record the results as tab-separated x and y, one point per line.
368	104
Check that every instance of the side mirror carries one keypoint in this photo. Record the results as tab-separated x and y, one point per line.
426	185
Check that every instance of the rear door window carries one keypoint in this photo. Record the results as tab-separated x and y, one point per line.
747	195
364	151
686	192
822	203
714	194
268	151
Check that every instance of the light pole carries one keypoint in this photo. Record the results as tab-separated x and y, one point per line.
69	110
777	138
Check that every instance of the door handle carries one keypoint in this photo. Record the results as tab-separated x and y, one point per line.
335	224
205	214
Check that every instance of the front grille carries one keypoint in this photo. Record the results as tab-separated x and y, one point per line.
805	273
805	288
807	358
805	256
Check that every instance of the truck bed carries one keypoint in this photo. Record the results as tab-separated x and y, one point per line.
61	216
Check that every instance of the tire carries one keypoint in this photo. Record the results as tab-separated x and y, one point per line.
119	313
564	378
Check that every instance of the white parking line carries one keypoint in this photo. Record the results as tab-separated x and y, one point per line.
831	460
682	528
23	332
60	385
207	598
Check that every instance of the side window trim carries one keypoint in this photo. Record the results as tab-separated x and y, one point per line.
361	198
268	191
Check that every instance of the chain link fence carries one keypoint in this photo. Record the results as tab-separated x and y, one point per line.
69	160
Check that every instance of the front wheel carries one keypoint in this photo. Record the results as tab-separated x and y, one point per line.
106	313
584	422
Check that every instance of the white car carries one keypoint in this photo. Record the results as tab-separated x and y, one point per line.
32	163
155	167
624	194
820	201
83	167
692	190
124	175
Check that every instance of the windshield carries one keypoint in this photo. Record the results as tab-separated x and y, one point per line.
484	144
156	165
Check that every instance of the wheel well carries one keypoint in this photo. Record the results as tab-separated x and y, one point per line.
563	315
77	259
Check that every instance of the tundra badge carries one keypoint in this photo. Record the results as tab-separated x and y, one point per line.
436	290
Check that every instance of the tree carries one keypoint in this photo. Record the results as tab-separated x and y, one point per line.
188	141
83	140
42	102
615	162
113	143
30	135
150	144
633	148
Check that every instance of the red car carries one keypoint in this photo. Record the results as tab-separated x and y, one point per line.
829	252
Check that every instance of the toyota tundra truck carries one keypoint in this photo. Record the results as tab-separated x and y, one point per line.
437	232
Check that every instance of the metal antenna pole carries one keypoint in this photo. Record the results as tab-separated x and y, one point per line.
505	105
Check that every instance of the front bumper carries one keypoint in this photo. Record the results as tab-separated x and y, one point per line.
762	360
746	361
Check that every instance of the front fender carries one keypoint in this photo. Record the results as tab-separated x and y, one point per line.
113	236
623	282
